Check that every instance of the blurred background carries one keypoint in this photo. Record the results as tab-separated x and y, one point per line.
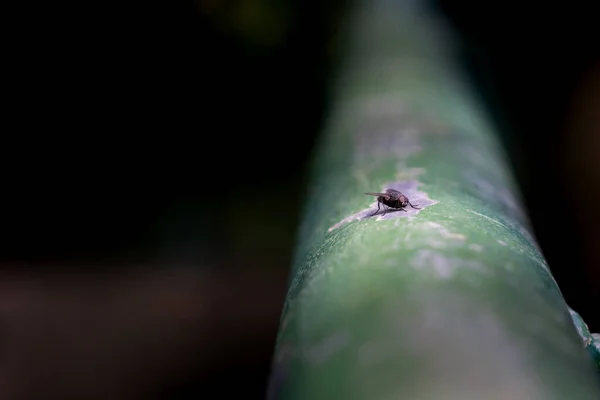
136	264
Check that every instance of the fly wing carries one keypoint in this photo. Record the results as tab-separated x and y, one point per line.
384	195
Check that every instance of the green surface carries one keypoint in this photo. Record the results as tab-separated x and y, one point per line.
453	301
594	348
591	341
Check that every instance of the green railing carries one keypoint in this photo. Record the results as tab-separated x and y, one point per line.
450	301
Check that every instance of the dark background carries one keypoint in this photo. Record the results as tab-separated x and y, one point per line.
136	265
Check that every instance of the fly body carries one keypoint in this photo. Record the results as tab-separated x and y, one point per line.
392	198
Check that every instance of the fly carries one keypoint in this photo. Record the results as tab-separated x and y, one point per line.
392	199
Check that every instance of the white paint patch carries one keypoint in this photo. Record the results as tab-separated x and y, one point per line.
457	236
476	247
582	328
445	232
409	188
502	242
408	173
322	351
354	217
442	266
488	218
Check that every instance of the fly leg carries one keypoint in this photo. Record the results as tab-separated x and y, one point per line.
378	204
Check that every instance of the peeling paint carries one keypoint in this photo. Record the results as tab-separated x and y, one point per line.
445	233
409	173
488	218
442	265
409	188
476	247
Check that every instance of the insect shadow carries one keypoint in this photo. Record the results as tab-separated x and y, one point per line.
393	199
